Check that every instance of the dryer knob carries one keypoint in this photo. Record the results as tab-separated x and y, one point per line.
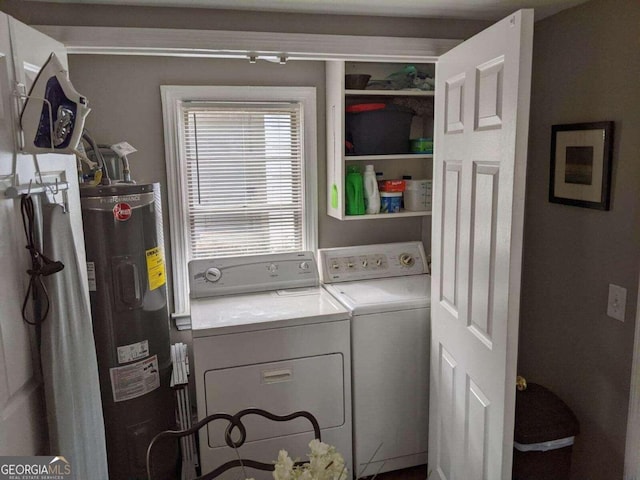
407	260
304	265
213	274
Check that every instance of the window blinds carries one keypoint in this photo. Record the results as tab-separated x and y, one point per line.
244	171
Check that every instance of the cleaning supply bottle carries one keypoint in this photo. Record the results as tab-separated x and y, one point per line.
354	191
371	193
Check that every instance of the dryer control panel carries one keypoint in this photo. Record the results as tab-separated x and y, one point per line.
257	273
363	262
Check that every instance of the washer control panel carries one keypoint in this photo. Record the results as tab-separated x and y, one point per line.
345	264
257	273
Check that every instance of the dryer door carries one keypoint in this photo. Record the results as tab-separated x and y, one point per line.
314	384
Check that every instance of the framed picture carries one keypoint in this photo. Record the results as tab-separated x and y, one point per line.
581	156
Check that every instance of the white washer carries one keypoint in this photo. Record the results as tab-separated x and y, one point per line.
388	292
266	335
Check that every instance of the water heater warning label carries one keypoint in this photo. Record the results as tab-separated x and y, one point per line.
135	351
135	380
91	276
155	268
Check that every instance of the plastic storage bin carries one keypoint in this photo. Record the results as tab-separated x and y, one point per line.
378	129
390	202
545	429
417	195
422	145
391	186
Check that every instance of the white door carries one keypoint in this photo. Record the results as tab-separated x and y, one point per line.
482	112
23	51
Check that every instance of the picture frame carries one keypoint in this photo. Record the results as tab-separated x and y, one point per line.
581	161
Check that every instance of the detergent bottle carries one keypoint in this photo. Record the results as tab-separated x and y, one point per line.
371	193
354	191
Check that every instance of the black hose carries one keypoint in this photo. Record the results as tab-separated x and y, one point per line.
105	173
41	266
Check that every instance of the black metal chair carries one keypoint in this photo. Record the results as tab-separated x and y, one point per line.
235	421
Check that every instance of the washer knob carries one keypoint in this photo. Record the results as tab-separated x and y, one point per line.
407	260
272	267
213	274
304	265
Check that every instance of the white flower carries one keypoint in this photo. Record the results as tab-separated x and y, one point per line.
318	448
305	475
284	459
284	466
324	464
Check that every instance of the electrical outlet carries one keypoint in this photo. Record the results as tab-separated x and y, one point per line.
617	302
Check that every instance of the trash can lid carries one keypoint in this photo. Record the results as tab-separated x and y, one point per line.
541	416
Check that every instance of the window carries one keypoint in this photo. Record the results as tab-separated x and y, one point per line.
244	178
241	172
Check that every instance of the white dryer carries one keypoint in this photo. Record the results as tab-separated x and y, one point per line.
387	289
266	335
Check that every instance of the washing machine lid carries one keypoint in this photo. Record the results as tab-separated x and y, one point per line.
381	295
264	310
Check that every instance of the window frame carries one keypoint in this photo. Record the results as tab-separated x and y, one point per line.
173	97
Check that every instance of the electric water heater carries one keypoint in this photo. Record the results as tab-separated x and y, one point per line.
127	287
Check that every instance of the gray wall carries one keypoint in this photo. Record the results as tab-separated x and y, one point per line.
586	68
43	13
124	95
124	91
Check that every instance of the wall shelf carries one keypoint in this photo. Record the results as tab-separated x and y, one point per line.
392	93
380	216
394	156
395	165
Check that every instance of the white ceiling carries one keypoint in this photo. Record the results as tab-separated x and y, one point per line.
468	9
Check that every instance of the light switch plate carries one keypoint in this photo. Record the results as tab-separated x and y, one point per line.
617	302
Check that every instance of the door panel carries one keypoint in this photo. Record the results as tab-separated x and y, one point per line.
482	99
488	108
483	249
22	424
445	453
477	413
23	51
450	240
454	91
